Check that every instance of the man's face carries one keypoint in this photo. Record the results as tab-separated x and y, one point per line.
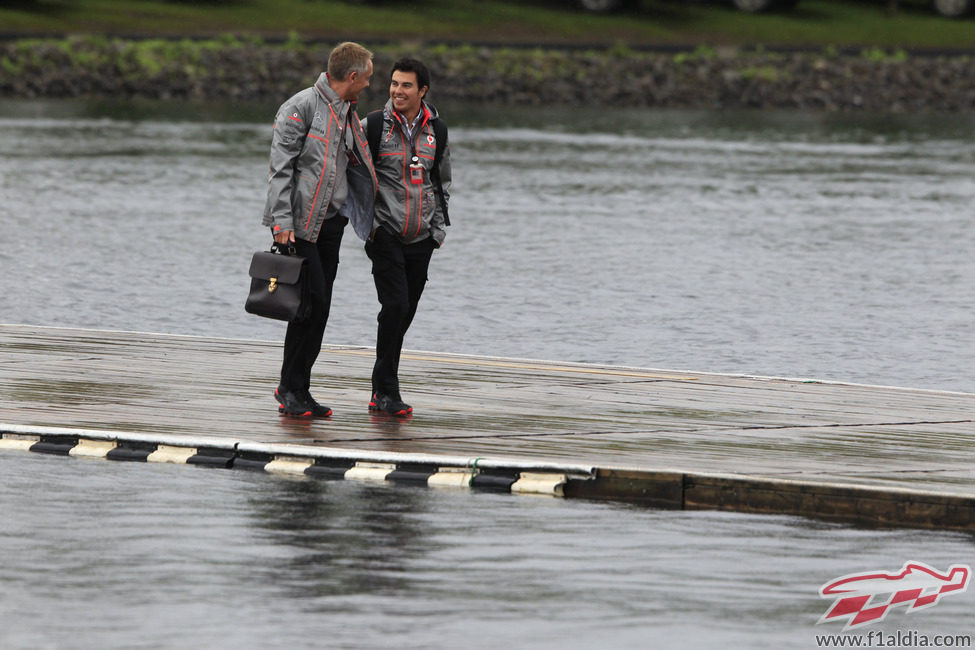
405	92
358	83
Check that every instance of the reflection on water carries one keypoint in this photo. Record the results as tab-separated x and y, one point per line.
131	555
326	534
828	246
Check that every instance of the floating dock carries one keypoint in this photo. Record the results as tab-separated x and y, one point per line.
862	454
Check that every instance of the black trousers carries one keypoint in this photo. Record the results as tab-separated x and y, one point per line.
400	273
303	340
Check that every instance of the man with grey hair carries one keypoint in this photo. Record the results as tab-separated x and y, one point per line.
321	177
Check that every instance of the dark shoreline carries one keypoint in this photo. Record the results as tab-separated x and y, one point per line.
226	68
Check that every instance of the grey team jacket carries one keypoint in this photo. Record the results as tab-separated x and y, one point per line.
304	146
412	212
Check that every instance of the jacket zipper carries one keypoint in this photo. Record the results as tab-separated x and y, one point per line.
407	159
328	132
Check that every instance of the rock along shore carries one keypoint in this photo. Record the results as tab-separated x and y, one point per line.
228	68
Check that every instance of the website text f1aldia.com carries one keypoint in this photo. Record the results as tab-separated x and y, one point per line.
898	639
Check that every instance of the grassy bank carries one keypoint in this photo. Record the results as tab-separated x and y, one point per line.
872	79
652	23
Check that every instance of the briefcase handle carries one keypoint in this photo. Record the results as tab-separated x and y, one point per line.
281	250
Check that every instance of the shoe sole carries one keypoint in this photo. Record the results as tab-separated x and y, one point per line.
306	414
400	414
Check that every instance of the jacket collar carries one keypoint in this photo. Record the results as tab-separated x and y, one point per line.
428	113
325	91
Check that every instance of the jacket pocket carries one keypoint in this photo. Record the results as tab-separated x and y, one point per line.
429	205
303	197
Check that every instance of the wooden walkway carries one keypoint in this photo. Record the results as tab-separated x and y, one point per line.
860	453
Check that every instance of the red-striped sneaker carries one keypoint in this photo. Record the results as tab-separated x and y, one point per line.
389	404
300	404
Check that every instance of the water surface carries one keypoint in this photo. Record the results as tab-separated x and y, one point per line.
835	247
124	555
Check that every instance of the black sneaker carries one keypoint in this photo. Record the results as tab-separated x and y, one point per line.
389	404
299	404
373	402
317	410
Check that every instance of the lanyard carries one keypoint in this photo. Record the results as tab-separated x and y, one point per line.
416	169
407	129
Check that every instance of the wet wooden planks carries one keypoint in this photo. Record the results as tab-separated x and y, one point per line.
610	417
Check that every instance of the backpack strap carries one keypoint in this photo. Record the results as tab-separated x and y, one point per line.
374	131
440	133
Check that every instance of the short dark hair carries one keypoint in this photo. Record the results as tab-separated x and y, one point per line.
406	64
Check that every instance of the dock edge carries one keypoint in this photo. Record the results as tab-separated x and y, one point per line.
866	505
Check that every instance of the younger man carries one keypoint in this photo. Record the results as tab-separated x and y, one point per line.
410	215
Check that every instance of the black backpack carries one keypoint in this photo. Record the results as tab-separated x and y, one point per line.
374	131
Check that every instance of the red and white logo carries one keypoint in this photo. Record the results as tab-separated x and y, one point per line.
864	598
